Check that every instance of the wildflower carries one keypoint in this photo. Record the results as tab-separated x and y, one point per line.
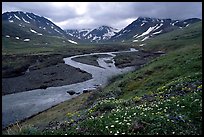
123	133
65	134
200	86
196	100
90	111
173	132
128	124
112	125
164	110
115	134
111	131
106	126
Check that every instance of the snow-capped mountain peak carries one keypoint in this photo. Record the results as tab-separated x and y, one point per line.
144	28
98	34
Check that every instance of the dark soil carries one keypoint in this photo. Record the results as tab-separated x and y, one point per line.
51	76
134	58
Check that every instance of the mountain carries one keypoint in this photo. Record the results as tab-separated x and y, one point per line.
144	27
96	35
77	33
24	26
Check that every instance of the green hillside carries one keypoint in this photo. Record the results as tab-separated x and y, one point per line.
163	97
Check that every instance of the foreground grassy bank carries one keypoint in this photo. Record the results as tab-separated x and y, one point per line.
163	97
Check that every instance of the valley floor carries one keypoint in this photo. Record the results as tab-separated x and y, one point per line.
52	76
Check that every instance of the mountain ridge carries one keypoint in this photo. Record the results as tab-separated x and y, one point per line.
139	30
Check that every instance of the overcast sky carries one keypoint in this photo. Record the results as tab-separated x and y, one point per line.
70	15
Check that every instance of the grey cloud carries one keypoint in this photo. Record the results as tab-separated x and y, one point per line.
107	13
173	10
45	9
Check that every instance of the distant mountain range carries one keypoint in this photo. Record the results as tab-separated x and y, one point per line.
97	35
143	28
23	25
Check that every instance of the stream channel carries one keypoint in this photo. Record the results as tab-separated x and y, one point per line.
22	105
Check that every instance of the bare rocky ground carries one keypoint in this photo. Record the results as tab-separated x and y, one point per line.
134	58
51	76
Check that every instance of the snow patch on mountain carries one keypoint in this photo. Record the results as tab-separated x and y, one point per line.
157	32
33	31
9	17
108	35
159	26
135	40
26	40
175	23
141	45
135	36
145	38
57	31
25	20
147	32
29	17
96	37
16	17
72	41
142	24
89	36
